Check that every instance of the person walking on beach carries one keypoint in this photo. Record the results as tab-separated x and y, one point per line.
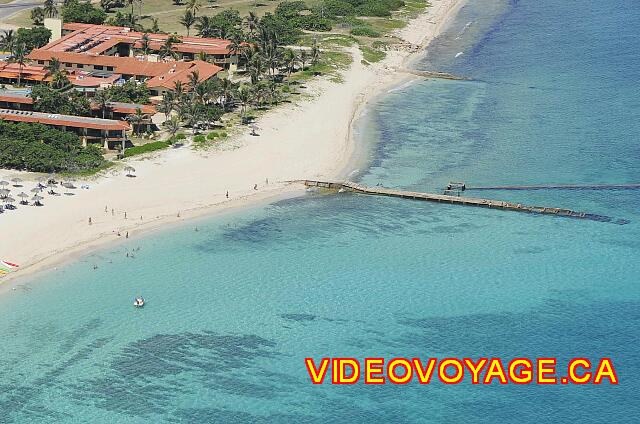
89	220
125	215
113	212
106	209
227	194
127	235
255	186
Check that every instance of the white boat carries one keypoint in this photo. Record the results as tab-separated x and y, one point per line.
138	302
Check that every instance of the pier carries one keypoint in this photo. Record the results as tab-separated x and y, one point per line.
434	74
459	200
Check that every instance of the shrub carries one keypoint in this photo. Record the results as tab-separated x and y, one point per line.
199	139
38	148
365	32
223	134
180	136
146	148
212	135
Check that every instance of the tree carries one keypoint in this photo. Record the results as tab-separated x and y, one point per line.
145	44
289	60
102	99
167	48
37	16
172	125
193	6
7	40
194	80
49	9
38	148
155	28
252	21
49	100
244	97
76	11
60	80
19	56
33	38
188	20
303	57
167	104
315	51
137	119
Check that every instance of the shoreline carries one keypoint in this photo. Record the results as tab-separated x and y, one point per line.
283	143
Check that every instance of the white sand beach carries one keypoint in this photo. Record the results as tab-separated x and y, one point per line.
310	139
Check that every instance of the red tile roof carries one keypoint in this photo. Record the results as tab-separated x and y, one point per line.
99	38
66	120
205	71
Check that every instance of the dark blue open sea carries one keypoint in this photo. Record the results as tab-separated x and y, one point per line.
234	308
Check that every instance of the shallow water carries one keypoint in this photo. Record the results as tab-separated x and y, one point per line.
235	307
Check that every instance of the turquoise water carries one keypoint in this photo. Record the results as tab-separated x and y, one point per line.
235	307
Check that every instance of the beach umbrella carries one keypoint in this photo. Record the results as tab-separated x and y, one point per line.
23	196
129	169
68	187
36	199
4	192
16	181
36	190
9	200
4	183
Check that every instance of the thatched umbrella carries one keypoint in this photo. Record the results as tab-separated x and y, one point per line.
36	200
4	192
16	181
36	190
68	186
4	183
9	200
23	196
51	186
129	170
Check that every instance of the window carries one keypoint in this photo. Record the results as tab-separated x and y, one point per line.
41	62
80	65
109	68
99	67
69	65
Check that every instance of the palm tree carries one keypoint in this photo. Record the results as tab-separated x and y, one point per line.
60	80
8	40
303	57
145	43
37	16
19	56
167	49
289	60
155	28
204	26
102	100
193	6
226	90
187	20
244	97
53	66
252	23
256	68
193	80
172	125
49	9
315	51
167	103
178	89
136	120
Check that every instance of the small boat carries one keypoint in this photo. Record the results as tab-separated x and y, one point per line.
138	302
